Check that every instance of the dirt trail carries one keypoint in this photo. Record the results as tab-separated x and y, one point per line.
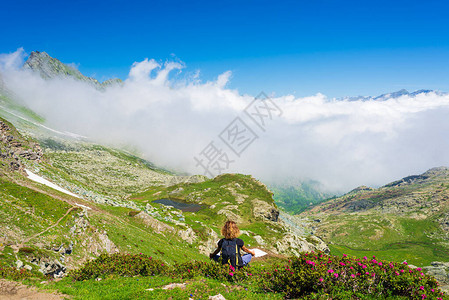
48	228
15	290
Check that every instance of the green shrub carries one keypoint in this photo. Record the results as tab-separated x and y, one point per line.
133	213
120	264
27	250
12	273
310	275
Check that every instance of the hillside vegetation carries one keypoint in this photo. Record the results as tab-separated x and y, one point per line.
404	220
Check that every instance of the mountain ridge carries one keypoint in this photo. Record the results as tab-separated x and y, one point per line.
49	68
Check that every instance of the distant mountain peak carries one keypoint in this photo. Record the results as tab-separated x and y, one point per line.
49	67
393	95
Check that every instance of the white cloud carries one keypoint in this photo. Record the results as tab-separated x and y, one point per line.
340	143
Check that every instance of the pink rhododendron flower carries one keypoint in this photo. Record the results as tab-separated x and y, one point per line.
352	275
321	279
336	275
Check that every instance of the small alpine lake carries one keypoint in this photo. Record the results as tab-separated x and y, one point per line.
184	206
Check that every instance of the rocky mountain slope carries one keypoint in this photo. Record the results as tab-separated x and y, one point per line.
46	230
113	210
49	67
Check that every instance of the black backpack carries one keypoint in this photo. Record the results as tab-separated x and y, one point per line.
230	253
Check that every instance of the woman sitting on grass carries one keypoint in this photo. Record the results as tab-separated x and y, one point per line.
230	247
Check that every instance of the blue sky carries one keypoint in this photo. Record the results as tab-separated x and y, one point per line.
339	48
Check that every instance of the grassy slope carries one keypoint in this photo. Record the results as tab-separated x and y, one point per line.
399	222
215	195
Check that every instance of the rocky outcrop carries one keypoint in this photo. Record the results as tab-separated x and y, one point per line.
209	245
14	150
187	235
291	243
155	224
439	270
173	180
362	188
264	210
231	213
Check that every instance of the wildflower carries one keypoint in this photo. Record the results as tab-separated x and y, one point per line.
367	273
345	255
379	263
352	275
365	258
336	275
363	267
230	273
432	290
321	279
374	256
402	271
342	264
418	269
330	271
405	263
396	272
423	296
421	288
351	268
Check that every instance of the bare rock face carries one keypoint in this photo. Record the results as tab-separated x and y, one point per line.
291	243
264	210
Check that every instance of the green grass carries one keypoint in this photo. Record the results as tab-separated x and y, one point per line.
397	238
27	210
136	288
131	235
